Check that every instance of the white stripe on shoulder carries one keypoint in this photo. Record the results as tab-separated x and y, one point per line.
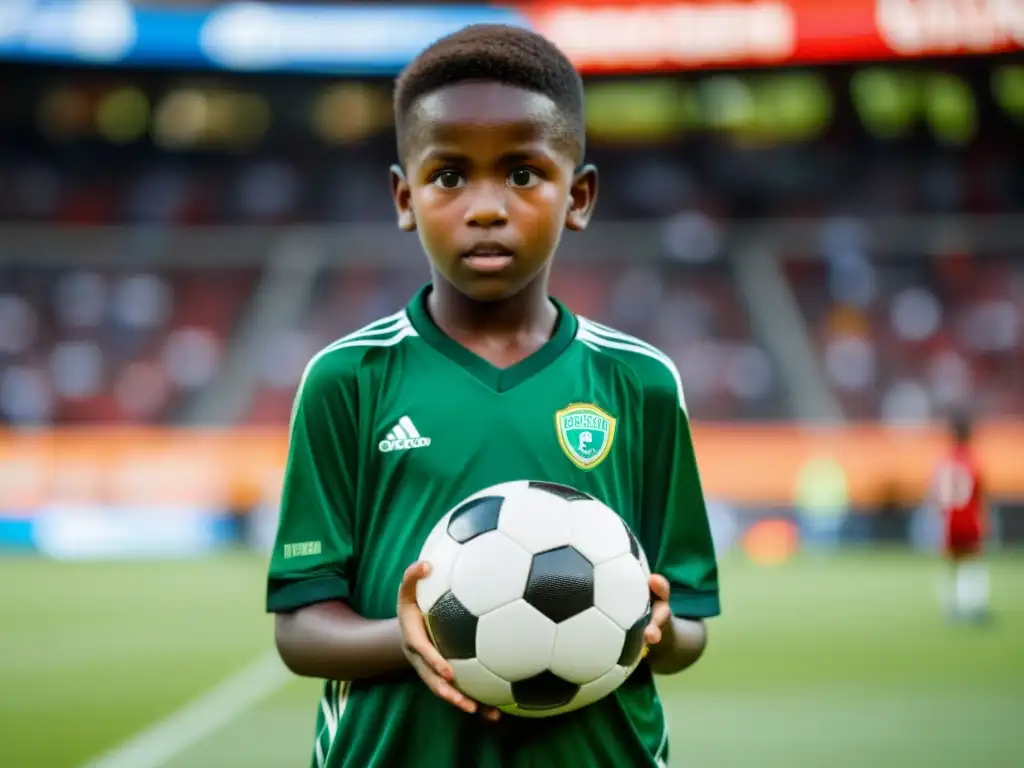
383	326
397	334
604	332
398	328
610	333
594	341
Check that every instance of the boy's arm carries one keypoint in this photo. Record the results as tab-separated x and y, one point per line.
313	562
674	527
682	641
331	641
317	632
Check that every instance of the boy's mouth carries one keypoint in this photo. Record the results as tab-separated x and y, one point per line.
488	257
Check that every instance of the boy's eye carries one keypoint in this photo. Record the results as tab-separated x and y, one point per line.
523	178
449	179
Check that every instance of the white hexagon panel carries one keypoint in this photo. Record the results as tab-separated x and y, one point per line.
490	571
479	683
586	647
621	590
515	642
597	532
598	689
537	521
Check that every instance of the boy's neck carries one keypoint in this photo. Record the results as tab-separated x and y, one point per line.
530	312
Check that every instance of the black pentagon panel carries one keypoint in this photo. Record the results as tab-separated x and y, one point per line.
563	491
633	645
452	628
560	584
544	691
474	518
634	545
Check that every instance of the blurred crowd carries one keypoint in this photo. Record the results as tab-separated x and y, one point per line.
134	346
898	337
81	345
908	338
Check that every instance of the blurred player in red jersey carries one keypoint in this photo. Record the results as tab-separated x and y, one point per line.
959	495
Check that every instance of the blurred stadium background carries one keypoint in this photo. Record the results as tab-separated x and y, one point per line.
814	208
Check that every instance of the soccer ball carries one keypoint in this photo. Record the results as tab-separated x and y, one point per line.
538	597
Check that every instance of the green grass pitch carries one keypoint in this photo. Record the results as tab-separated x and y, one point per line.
842	661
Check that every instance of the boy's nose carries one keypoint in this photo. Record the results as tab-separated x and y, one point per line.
487	208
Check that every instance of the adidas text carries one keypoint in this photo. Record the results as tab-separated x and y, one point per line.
402	437
404	444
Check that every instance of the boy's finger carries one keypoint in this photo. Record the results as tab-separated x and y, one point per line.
659	586
413	574
454	697
660	615
492	714
414	628
422	647
437	663
443	689
652	634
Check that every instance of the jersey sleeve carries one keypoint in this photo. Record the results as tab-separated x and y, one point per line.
312	560
675	531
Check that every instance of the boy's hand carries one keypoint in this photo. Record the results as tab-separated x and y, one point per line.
661	613
428	663
672	644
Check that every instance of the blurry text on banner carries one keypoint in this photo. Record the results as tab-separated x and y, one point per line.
599	36
645	36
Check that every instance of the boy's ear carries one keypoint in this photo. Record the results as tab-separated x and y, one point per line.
582	198
402	196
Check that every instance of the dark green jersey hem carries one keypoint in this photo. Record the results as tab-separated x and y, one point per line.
284	595
694	605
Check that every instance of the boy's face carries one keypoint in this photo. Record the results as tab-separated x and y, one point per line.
489	184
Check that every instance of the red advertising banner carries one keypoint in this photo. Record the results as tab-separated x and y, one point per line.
643	36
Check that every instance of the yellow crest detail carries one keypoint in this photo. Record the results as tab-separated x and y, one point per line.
586	433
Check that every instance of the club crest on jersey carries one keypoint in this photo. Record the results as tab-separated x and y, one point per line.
585	433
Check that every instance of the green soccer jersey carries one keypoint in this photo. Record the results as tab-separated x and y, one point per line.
396	423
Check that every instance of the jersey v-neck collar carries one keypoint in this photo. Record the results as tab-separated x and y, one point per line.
498	379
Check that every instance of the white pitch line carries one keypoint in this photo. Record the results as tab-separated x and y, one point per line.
154	746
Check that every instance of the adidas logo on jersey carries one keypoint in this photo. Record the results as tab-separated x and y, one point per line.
403	437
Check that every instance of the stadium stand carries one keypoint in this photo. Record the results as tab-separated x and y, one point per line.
905	335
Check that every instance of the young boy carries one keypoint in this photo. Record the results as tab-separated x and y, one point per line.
958	492
396	423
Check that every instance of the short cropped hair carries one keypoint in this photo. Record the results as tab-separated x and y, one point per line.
497	53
